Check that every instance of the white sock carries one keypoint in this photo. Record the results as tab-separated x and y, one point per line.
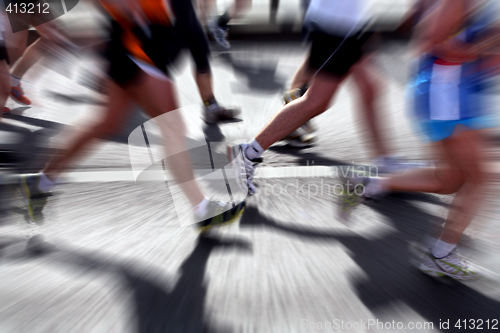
14	80
429	241
253	150
442	249
374	187
45	184
201	209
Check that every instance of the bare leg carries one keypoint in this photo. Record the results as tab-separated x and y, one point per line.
204	83
4	85
467	149
16	44
294	114
367	84
446	178
461	172
30	56
119	104
159	100
238	7
205	9
302	76
157	97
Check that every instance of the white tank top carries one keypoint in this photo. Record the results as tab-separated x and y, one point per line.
338	17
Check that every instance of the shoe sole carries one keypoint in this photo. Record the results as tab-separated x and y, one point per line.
205	229
26	193
18	101
432	272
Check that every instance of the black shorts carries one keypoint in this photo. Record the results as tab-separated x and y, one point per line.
336	55
193	36
162	47
3	52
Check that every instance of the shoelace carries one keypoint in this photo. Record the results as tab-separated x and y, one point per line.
250	168
221	32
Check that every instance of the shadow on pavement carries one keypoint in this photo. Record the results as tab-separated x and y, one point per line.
392	279
158	308
259	78
305	157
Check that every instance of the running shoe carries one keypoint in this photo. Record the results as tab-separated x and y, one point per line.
219	34
36	198
353	193
17	94
300	138
292	95
391	164
6	110
220	213
215	113
452	266
244	168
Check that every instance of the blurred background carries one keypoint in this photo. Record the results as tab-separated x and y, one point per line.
116	255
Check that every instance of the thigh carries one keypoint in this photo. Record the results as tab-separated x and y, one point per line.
117	111
156	95
323	88
16	44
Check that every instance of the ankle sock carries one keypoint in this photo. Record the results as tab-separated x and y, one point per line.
442	249
200	209
224	20
211	104
253	150
429	241
374	187
14	80
45	184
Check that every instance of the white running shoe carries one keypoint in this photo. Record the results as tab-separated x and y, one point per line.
452	266
244	167
219	34
390	164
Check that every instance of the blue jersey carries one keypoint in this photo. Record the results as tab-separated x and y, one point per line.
450	93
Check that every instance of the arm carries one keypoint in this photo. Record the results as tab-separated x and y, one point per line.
434	33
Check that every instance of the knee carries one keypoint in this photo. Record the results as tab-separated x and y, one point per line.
451	181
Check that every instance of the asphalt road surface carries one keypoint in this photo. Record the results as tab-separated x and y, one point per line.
115	255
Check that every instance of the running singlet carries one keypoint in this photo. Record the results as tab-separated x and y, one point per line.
134	36
337	17
450	93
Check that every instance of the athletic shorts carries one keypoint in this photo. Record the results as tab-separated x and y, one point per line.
334	54
162	47
3	54
192	34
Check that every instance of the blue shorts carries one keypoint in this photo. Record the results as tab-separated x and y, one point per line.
437	130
